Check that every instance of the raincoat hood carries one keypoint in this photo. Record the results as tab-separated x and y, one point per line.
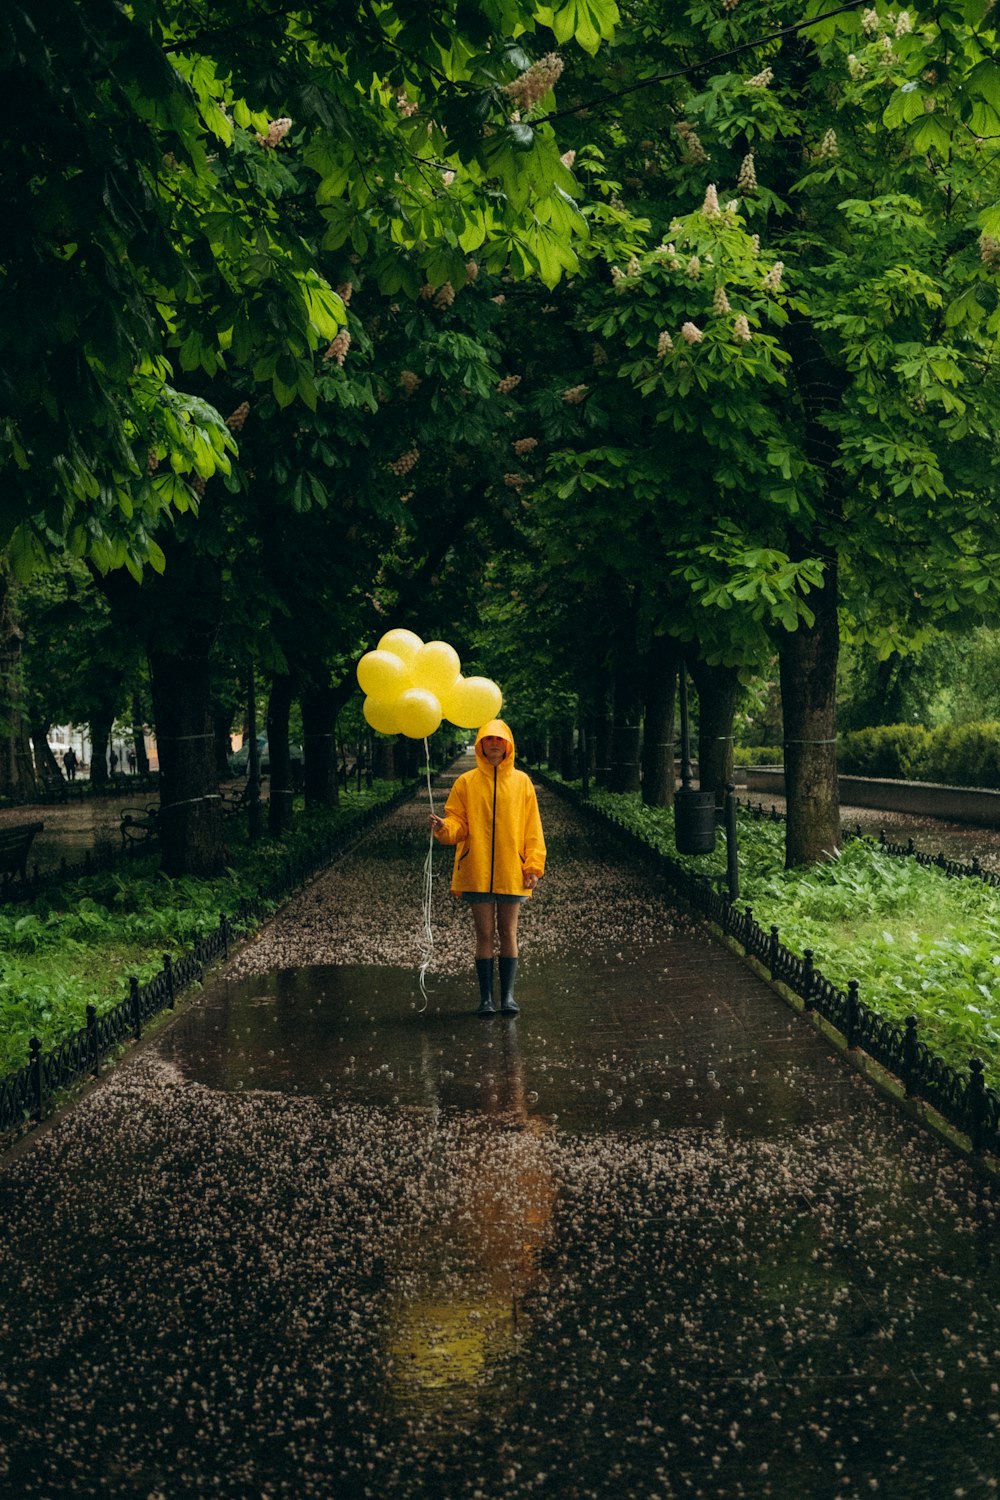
499	730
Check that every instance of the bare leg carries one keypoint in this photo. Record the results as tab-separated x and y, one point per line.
483	917
507	915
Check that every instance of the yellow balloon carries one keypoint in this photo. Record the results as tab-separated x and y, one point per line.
419	713
402	643
382	675
382	716
436	667
472	701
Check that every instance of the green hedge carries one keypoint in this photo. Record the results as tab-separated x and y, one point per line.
897	750
758	755
957	755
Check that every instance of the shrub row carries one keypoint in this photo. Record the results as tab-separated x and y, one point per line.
758	755
956	755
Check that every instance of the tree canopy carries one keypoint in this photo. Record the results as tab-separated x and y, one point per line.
691	313
149	234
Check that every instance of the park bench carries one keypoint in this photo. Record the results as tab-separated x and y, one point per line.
236	801
54	787
140	825
15	841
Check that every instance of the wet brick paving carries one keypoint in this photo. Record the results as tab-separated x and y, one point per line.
651	1239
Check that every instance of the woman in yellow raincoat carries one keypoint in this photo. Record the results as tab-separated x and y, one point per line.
492	819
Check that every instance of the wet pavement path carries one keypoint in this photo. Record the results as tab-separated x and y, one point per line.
650	1239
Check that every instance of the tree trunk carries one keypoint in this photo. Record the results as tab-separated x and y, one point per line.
602	726
279	812
139	737
625	735
567	763
658	723
177	615
718	690
221	722
17	772
808	659
320	707
384	758
100	744
45	762
808	656
413	757
192	840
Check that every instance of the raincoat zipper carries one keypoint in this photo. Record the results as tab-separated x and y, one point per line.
493	831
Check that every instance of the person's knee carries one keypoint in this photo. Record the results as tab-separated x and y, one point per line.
508	931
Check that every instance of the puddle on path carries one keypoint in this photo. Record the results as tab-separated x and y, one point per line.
594	1046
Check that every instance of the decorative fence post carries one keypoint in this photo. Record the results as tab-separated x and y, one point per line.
852	1015
807	979
37	1079
772	952
133	995
168	970
976	1105
224	930
93	1044
910	1057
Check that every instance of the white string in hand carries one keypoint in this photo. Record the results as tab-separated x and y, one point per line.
427	936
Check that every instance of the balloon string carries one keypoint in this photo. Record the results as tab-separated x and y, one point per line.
427	941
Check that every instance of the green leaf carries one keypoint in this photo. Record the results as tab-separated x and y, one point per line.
984	80
931	135
905	106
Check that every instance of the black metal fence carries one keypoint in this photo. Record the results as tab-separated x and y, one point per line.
952	867
93	862
960	1097
26	1095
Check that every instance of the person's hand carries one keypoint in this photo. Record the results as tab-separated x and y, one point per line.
435	822
531	880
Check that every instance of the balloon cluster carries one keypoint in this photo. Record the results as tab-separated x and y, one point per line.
412	685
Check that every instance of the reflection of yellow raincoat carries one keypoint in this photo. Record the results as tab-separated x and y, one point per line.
492	818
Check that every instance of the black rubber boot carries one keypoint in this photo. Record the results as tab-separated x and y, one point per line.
508	971
484	970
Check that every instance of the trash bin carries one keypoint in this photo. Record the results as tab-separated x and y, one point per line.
694	821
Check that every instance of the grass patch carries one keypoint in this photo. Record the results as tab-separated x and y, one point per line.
918	942
79	943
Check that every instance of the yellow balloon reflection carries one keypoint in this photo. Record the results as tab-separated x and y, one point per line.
463	1317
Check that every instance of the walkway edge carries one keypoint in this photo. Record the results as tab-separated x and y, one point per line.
887	1084
982	1155
58	1099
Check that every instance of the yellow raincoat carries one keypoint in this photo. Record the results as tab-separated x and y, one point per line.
492	818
